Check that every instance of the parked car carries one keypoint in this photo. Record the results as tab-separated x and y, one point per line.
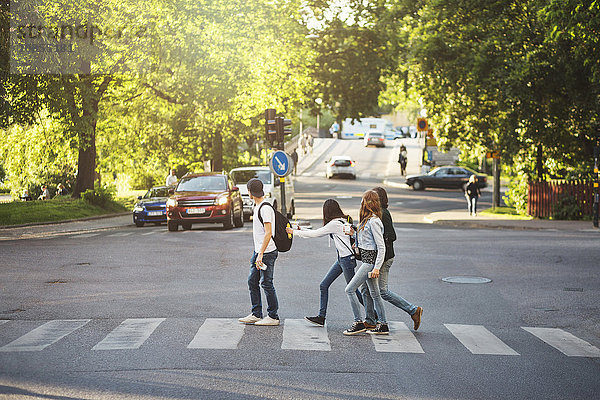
271	187
374	139
447	177
340	166
151	207
209	197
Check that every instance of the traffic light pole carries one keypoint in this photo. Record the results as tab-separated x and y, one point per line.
595	209
282	183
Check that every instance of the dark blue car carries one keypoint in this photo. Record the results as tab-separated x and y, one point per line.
152	207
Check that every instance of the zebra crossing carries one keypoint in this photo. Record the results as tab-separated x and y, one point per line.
298	334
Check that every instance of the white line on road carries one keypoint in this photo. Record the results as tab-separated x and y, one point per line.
120	234
218	333
131	334
85	235
565	342
478	340
299	334
400	340
45	335
3	321
149	233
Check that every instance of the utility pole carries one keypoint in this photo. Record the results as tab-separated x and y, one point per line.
596	205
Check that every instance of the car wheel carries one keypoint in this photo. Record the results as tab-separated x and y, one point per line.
186	226
239	222
172	226
418	185
228	223
139	224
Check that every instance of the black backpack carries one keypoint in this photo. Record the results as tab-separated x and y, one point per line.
283	241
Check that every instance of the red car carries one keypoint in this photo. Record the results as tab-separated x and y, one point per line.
206	197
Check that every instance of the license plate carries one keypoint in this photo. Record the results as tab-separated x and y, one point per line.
196	210
154	213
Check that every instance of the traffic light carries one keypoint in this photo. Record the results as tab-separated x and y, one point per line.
422	124
280	128
270	131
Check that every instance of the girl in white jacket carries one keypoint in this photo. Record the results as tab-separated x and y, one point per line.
333	225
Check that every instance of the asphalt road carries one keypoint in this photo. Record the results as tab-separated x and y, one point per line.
130	313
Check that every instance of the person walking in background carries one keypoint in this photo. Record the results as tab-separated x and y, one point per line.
389	236
61	190
334	221
309	143
45	193
171	178
262	263
402	159
294	157
472	194
372	252
302	143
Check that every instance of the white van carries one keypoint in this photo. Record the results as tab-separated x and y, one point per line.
272	188
358	129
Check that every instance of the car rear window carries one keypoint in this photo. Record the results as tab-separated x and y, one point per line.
202	183
342	163
158	192
243	176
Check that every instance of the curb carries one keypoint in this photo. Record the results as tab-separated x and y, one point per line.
66	221
395	184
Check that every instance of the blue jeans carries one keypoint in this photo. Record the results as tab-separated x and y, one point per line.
392	297
265	278
346	266
359	280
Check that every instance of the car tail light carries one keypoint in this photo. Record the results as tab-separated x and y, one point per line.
352	163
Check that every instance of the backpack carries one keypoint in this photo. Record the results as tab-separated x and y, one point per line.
353	243
282	240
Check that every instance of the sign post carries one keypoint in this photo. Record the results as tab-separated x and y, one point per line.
282	165
495	156
596	206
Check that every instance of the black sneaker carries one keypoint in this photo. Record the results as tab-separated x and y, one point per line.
382	329
357	327
318	320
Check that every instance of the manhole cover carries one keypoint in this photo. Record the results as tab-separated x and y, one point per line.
466	279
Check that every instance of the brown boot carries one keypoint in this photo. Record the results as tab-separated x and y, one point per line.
416	317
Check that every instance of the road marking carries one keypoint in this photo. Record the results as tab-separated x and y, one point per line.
400	340
218	333
406	229
120	234
3	321
45	335
131	334
565	342
85	235
478	340
299	334
149	233
366	175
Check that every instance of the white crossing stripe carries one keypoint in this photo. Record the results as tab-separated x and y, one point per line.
131	334
45	335
218	333
299	334
3	321
149	233
120	234
565	342
478	340
85	235
400	340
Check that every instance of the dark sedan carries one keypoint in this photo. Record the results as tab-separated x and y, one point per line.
449	177
151	208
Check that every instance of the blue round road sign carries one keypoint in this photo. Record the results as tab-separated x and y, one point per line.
281	164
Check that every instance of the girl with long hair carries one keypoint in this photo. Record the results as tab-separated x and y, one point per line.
372	253
333	225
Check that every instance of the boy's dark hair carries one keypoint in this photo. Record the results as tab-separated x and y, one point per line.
383	199
332	210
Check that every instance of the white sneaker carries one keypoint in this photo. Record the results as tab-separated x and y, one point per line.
268	321
250	319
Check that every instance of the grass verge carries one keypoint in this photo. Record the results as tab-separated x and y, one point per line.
506	212
24	212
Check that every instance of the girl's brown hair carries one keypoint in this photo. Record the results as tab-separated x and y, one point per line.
369	207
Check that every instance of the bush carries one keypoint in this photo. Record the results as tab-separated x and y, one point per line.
99	196
516	195
144	180
566	208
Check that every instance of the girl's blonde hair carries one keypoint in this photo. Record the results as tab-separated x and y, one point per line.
369	207
472	178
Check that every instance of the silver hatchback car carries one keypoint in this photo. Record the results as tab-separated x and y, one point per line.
340	166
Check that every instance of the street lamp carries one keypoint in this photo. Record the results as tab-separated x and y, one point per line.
319	101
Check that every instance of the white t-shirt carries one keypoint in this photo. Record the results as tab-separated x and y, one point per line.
171	180
258	229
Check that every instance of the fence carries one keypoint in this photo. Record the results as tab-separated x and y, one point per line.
543	196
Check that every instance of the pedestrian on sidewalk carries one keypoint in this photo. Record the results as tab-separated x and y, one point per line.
171	178
403	159
372	253
262	263
389	236
472	194
45	193
334	220
294	157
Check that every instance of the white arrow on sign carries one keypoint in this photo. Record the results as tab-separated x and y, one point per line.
281	166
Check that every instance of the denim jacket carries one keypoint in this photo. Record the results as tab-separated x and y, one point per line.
371	238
